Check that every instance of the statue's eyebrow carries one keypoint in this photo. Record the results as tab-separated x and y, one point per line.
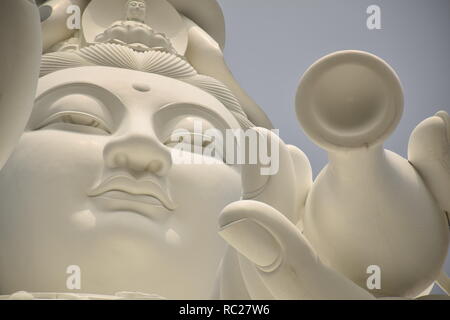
77	88
110	100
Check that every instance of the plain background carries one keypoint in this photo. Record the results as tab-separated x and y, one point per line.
270	43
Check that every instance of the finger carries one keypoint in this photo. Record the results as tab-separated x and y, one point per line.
429	153
19	69
430	139
285	261
303	178
272	179
446	118
232	285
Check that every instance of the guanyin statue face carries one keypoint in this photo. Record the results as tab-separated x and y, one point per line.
136	10
93	183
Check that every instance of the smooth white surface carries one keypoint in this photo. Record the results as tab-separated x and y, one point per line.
349	99
54	28
19	69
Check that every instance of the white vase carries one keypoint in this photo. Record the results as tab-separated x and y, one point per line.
368	206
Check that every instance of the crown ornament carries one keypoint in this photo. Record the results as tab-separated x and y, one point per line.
129	23
134	33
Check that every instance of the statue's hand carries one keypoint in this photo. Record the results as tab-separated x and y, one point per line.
20	55
429	153
283	259
275	258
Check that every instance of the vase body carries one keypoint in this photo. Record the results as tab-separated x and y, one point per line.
369	207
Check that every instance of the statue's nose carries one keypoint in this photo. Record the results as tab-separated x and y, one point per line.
138	153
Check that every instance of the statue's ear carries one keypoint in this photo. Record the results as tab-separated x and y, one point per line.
206	56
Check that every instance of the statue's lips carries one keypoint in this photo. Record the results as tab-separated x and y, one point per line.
127	189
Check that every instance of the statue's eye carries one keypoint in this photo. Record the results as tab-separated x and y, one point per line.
190	131
133	4
186	137
75	118
196	143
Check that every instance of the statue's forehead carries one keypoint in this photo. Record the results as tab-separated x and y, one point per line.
125	84
132	88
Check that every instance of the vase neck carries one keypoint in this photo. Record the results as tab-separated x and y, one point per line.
361	162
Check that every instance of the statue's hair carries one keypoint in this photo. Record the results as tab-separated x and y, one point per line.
157	62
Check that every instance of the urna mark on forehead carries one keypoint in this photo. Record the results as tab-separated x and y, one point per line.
132	87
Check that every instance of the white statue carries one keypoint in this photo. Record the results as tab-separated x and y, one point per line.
89	177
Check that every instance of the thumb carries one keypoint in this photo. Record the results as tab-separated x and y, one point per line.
304	181
271	180
284	259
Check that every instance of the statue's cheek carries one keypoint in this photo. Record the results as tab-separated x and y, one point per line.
49	165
